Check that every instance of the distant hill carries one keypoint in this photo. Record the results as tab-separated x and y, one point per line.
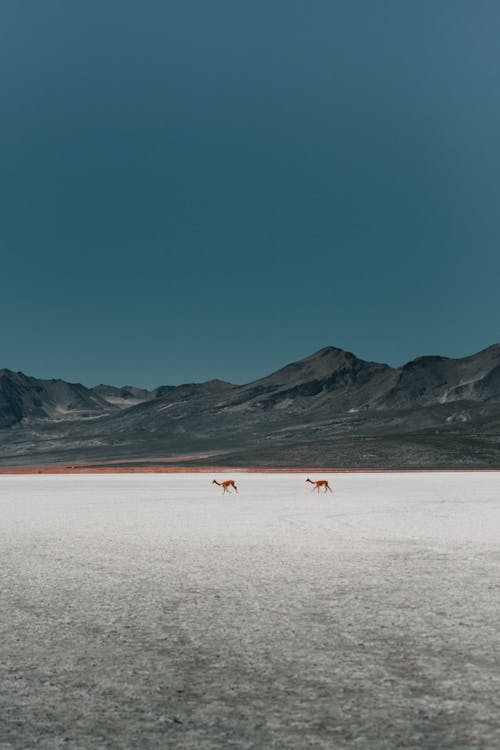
330	408
123	397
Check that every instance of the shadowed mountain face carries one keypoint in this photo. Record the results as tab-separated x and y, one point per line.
25	399
330	378
340	380
428	380
123	397
320	410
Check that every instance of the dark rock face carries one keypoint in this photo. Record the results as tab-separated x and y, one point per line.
123	397
319	410
429	380
331	378
26	399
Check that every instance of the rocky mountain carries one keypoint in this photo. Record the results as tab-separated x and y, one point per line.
331	378
328	408
26	399
430	380
123	397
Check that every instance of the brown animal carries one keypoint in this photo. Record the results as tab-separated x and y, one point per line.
226	485
320	483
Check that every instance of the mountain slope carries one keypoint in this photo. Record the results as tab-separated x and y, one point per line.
29	399
433	410
428	380
330	378
123	397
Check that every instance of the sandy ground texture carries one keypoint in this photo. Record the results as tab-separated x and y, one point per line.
151	611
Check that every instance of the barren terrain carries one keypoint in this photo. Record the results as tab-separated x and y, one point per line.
151	611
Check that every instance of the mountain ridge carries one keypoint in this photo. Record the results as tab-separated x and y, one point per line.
325	398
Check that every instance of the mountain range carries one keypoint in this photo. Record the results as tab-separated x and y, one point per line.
329	409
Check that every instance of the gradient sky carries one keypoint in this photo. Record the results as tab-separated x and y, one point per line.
195	189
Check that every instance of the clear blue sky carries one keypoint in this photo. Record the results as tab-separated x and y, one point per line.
195	189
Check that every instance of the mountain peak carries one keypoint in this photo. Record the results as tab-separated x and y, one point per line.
326	350
329	349
423	361
329	354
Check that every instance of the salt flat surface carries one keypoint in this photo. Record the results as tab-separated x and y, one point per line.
151	611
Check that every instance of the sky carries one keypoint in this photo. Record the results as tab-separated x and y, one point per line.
193	190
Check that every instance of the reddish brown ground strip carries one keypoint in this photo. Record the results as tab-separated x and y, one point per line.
127	467
159	469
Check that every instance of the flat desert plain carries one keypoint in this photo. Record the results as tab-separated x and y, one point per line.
152	611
